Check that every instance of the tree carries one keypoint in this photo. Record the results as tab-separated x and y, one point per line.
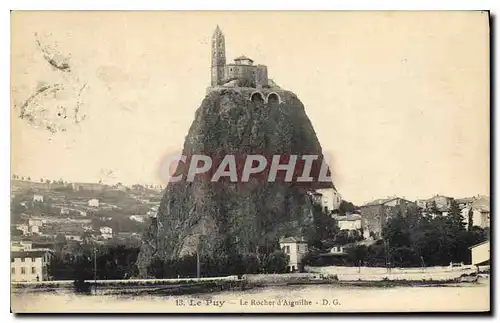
16	232
357	255
251	263
28	178
86	237
432	208
470	222
346	207
396	232
59	242
275	262
455	215
324	228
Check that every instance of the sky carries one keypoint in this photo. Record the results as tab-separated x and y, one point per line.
399	100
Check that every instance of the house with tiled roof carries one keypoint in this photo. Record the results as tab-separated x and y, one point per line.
478	210
480	253
374	214
349	221
295	248
29	265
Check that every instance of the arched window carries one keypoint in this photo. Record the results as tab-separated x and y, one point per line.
273	98
257	97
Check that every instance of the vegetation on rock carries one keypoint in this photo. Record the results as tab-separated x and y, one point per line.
224	218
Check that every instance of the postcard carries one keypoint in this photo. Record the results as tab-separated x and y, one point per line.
250	161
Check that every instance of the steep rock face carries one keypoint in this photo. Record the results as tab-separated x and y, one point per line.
223	217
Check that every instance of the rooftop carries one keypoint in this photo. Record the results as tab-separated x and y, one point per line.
379	201
243	57
479	244
28	254
349	217
292	240
384	201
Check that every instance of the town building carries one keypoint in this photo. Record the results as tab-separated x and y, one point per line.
338	250
336	256
106	232
465	202
480	253
119	187
21	245
138	218
348	222
442	203
29	265
375	214
93	203
476	208
35	222
330	199
315	197
56	220
72	237
295	248
28	229
479	209
99	187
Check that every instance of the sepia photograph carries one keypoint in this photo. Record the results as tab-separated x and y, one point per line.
250	162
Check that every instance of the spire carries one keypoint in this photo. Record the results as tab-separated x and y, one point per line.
217	31
218	56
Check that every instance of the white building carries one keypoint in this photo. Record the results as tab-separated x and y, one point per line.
93	203
35	222
24	228
481	253
29	265
28	229
106	232
480	212
21	245
138	218
74	237
295	249
37	198
330	199
338	250
349	222
34	229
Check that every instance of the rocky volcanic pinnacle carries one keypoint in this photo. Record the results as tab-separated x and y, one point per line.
224	217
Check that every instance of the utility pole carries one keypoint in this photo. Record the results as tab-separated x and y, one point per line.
197	264
386	255
95	270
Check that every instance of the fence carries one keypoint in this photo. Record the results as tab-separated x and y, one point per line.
55	283
381	273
